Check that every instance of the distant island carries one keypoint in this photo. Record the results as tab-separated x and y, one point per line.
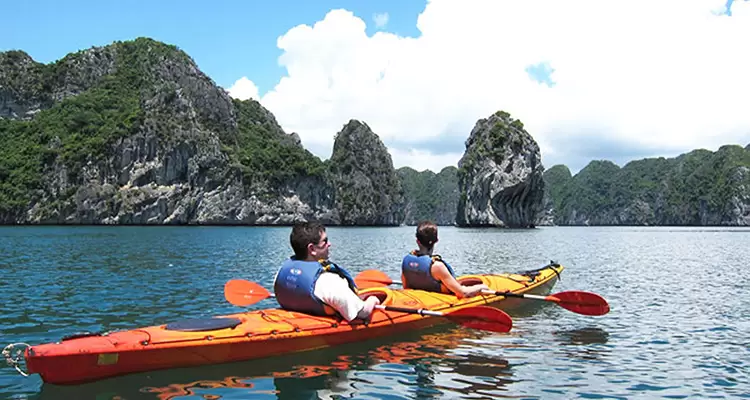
699	188
135	133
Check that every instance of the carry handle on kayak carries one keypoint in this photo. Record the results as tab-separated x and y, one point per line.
244	293
580	302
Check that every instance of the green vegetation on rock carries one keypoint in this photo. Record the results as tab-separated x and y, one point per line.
430	196
556	179
77	129
75	111
263	151
697	188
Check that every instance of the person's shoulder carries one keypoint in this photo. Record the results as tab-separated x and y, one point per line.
440	271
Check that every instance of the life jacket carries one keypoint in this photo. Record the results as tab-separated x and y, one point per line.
295	285
416	270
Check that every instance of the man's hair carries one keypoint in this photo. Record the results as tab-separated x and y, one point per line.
304	233
427	233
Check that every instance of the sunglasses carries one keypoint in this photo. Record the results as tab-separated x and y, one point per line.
324	242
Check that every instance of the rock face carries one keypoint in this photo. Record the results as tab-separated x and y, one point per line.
500	176
368	191
135	133
21	85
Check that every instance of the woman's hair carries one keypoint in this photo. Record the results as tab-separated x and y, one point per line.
427	233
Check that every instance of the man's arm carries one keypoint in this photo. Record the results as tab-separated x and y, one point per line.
335	292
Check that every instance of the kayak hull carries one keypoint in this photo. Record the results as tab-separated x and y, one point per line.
260	333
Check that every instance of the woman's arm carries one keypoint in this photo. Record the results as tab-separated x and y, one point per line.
441	273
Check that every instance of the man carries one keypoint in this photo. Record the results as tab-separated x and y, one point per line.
308	282
422	270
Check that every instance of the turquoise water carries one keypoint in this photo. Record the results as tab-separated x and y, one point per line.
679	325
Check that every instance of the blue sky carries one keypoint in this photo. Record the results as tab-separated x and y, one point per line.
228	39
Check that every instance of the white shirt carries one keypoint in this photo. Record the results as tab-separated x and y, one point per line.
335	292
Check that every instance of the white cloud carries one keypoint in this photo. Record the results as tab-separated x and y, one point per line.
244	89
380	20
655	74
421	160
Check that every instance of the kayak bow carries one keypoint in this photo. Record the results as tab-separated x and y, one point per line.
585	303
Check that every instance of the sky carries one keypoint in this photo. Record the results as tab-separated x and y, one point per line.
619	80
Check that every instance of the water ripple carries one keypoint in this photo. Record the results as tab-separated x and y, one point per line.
678	325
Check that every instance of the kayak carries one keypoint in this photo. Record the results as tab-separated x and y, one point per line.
263	333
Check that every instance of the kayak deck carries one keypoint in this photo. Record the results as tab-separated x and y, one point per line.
260	333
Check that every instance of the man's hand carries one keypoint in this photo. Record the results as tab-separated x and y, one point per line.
370	304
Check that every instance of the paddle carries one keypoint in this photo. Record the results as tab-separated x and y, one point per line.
244	293
585	303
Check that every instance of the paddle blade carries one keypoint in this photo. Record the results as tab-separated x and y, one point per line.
482	317
372	278
244	293
585	303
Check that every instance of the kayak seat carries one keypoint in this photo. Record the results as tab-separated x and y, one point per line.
469	280
203	324
381	295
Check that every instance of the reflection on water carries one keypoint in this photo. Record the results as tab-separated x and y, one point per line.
583	336
394	368
584	344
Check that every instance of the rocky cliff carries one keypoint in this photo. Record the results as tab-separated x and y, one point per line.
368	191
26	96
500	176
695	189
135	133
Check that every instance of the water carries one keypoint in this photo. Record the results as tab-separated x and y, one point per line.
679	325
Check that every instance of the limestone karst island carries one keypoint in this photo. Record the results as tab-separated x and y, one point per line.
135	133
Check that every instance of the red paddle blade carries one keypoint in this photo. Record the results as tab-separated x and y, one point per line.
585	303
372	278
244	293
482	317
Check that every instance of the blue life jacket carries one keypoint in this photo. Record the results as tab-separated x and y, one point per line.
295	285
416	270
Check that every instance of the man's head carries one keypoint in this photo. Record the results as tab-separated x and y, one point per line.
309	241
427	234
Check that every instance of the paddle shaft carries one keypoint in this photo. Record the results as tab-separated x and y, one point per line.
500	293
420	311
520	295
505	294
